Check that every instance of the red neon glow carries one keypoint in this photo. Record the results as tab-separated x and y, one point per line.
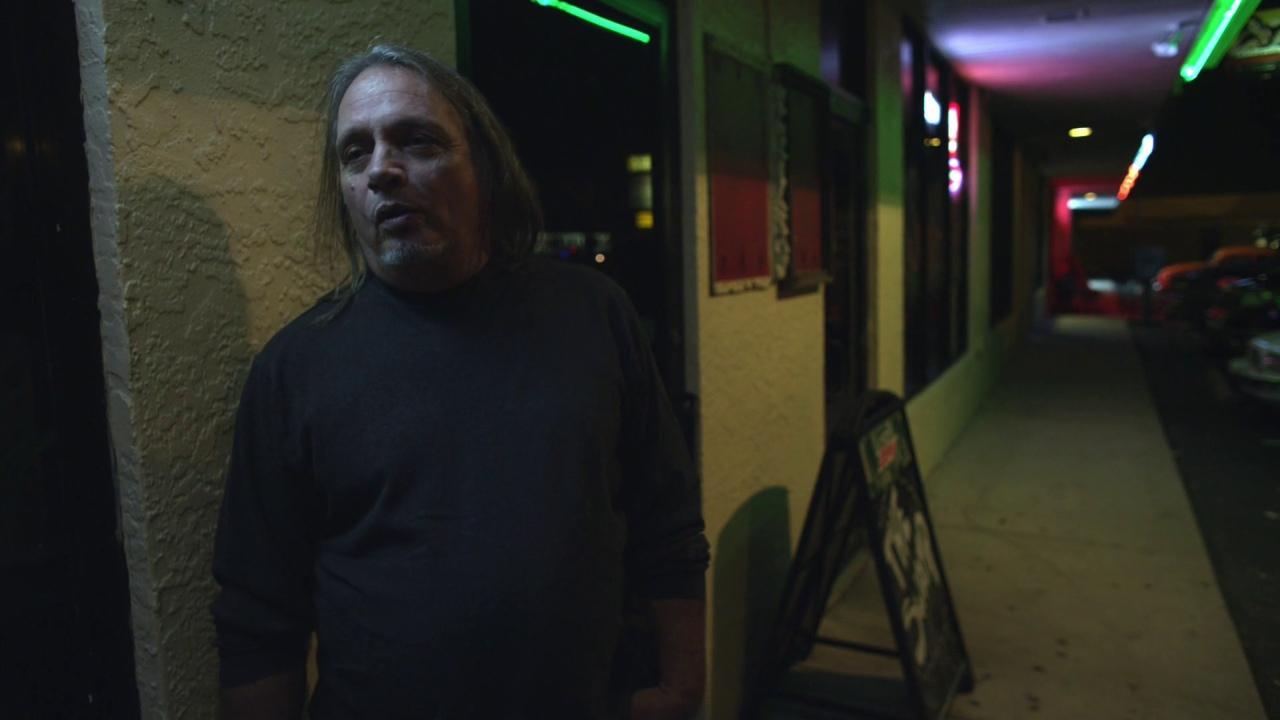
1135	167
955	173
1126	185
1065	267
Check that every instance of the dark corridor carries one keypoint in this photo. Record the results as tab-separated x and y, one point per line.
65	647
592	114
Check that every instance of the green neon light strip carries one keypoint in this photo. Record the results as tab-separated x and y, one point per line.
597	20
1232	32
1213	33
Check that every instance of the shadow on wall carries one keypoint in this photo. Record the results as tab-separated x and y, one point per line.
753	555
188	329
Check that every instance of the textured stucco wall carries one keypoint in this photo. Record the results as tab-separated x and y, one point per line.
202	135
761	367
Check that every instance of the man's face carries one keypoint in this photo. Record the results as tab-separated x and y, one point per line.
408	182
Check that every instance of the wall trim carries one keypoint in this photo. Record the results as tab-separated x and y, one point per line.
131	522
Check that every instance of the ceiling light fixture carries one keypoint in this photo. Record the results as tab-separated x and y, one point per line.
1221	25
599	21
1172	42
1144	151
932	109
1080	132
1167	47
1104	202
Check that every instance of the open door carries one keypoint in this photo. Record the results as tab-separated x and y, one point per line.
588	95
845	302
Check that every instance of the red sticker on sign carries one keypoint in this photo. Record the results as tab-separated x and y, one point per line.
888	452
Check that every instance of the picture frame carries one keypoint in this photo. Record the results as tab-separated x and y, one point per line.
800	228
738	92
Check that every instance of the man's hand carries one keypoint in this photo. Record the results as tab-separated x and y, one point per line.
659	703
277	697
681	662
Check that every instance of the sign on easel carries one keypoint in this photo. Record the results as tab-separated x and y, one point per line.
869	494
934	661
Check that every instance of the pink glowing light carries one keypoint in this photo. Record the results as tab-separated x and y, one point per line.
955	173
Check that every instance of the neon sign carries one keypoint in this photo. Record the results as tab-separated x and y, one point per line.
955	173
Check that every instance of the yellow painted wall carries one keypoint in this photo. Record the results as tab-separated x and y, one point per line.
760	364
885	239
760	358
202	137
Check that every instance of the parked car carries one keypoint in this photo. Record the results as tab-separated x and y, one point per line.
1240	255
1257	373
1170	284
1241	309
1204	288
1186	291
1170	275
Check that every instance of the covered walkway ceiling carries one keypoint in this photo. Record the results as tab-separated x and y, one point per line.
1052	65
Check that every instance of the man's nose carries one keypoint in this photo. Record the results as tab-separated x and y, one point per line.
385	169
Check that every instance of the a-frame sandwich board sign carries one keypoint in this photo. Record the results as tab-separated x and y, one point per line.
869	491
917	596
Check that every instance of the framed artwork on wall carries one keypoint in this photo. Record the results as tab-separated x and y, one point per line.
800	231
737	170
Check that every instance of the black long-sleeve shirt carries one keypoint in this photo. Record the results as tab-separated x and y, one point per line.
456	491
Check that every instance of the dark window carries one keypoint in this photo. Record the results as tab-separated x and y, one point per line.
914	288
737	168
1043	200
592	114
844	46
845	70
845	300
1002	168
935	206
956	118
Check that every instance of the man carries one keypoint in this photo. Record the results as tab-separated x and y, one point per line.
459	466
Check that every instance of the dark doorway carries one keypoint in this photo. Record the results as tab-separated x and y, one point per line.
1002	214
845	63
592	113
65	643
845	301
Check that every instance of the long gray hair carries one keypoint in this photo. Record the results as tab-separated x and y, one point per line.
510	216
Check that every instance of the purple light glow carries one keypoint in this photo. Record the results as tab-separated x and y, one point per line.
1103	58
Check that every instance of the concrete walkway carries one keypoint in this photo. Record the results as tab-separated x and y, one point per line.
1080	579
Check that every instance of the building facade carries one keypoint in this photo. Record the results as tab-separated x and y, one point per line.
202	134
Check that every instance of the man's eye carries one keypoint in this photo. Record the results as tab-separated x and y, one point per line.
351	153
